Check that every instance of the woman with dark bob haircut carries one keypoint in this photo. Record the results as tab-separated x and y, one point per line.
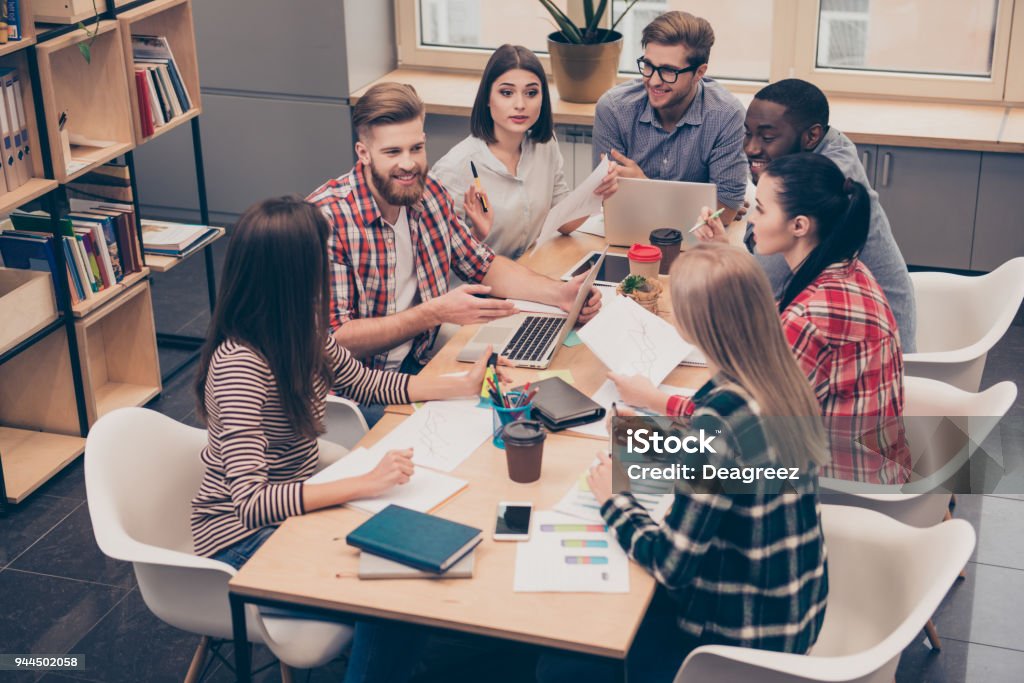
515	153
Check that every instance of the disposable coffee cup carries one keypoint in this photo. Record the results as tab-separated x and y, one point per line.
669	240
524	450
644	260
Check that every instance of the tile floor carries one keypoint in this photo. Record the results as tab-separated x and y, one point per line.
59	594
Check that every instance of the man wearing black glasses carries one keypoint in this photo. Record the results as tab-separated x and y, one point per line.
675	124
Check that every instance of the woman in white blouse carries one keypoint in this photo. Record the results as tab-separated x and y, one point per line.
516	155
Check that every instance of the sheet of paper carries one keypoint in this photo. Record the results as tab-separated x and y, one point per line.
579	203
593	225
579	502
566	555
425	490
442	434
608	394
633	341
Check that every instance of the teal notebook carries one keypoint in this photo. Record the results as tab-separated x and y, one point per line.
415	539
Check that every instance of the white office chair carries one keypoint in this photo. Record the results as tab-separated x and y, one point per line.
141	471
931	403
959	319
885	580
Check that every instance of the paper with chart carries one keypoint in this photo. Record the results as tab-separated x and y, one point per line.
608	394
579	203
633	341
424	491
441	434
567	555
579	502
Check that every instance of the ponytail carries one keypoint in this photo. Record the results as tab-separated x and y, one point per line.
812	185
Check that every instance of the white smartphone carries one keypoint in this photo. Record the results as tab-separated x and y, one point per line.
513	521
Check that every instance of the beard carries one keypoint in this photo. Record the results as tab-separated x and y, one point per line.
395	194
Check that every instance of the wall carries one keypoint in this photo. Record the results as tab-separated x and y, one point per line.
275	117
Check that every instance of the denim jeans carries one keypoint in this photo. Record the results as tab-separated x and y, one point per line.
385	652
238	554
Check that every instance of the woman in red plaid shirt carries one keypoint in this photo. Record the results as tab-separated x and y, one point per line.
834	315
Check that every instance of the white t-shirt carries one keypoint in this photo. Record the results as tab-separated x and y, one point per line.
406	292
520	202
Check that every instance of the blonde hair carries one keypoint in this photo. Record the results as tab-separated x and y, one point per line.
682	28
386	103
722	301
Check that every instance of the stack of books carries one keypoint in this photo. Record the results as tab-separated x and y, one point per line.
17	160
99	241
400	543
174	239
162	93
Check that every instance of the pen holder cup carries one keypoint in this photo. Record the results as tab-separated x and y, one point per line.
502	416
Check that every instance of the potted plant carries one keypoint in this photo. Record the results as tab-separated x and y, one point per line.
585	58
642	290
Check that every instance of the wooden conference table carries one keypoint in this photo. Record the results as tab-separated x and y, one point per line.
306	563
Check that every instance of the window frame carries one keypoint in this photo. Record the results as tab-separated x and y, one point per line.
794	54
903	85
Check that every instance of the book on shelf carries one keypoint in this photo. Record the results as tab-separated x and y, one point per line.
161	91
12	18
110	182
173	239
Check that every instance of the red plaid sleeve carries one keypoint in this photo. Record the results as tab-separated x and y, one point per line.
811	350
471	258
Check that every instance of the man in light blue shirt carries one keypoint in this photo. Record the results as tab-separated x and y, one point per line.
675	124
791	116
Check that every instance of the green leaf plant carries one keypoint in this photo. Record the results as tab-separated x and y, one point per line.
589	33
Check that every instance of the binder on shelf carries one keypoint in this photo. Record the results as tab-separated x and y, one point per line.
19	103
19	132
10	170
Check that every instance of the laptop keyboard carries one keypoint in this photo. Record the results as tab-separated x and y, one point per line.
532	338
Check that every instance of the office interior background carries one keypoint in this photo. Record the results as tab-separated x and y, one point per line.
276	83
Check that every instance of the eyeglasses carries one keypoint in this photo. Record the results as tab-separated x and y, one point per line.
666	73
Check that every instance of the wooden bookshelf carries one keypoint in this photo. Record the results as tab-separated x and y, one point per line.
173	20
106	296
67	11
30	458
37	184
94	95
37	390
117	348
28	30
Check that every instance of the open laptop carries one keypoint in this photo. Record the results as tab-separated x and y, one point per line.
641	205
530	340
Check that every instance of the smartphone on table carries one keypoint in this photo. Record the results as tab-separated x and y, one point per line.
512	522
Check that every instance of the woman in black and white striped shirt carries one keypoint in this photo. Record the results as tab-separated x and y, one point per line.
266	368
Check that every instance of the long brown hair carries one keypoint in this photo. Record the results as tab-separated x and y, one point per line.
506	58
274	299
722	301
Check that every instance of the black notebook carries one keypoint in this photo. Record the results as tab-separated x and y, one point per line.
415	539
559	405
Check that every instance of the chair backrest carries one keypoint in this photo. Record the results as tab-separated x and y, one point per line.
885	581
946	425
141	471
958	311
885	578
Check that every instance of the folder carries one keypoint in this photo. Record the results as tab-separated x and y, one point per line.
16	127
10	170
19	104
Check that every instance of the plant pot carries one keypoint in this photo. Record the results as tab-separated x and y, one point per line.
648	300
584	72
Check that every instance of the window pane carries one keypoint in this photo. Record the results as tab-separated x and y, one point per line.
486	25
743	33
910	36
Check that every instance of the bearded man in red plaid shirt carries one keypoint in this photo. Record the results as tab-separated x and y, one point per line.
395	240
